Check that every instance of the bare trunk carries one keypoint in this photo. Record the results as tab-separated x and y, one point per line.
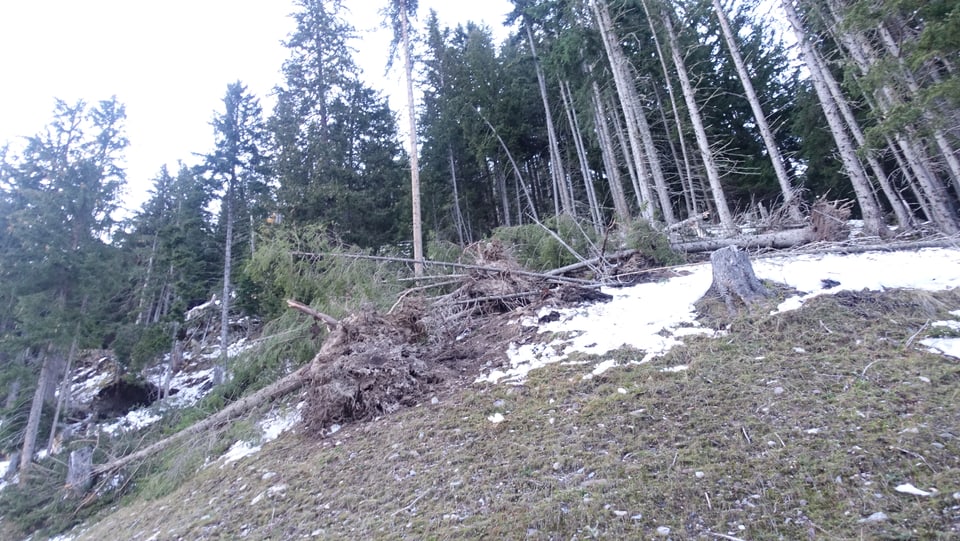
414	156
628	103
688	186
872	217
513	163
560	182
706	153
595	215
789	198
609	155
220	370
457	215
146	283
33	421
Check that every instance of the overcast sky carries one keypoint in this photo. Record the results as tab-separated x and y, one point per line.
169	63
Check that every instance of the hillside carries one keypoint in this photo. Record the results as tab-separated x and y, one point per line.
833	419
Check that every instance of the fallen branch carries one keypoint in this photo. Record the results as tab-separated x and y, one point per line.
319	316
518	272
590	263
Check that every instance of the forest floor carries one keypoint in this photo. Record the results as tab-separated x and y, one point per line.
829	421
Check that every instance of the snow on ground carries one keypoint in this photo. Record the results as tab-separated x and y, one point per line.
278	421
654	317
949	346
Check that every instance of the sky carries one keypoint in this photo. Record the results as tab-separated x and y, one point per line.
170	63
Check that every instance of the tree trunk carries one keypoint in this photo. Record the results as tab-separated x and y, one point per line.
628	103
280	388
33	421
220	371
609	155
872	217
79	472
789	198
706	153
734	281
457	215
595	215
560	182
414	157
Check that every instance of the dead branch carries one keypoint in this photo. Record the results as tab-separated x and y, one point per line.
319	316
590	263
542	276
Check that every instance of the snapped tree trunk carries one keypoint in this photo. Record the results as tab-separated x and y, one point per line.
79	472
414	158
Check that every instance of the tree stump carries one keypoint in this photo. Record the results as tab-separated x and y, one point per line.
79	471
733	279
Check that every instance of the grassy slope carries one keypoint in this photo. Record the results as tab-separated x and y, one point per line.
756	440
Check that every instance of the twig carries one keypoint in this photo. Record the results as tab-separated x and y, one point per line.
411	504
912	338
865	368
915	455
825	327
420	288
707	496
319	316
492	298
723	536
745	435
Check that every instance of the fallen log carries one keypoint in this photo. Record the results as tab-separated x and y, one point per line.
777	240
330	321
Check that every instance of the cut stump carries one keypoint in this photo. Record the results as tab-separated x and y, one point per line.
734	280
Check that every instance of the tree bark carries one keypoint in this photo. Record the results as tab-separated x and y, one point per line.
414	152
706	153
734	281
628	102
556	167
872	217
773	151
609	155
595	215
33	421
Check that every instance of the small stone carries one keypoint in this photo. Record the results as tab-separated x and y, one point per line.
621	390
799	350
499	403
434	401
663	531
699	475
778	390
556	465
496	418
620	513
269	475
638	516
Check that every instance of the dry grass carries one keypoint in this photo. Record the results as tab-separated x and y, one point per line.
792	426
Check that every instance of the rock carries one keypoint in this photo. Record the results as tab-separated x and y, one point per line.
663	531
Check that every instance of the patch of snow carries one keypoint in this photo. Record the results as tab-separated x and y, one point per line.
277	423
944	346
238	450
952	325
134	420
603	367
496	418
653	317
675	369
908	488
